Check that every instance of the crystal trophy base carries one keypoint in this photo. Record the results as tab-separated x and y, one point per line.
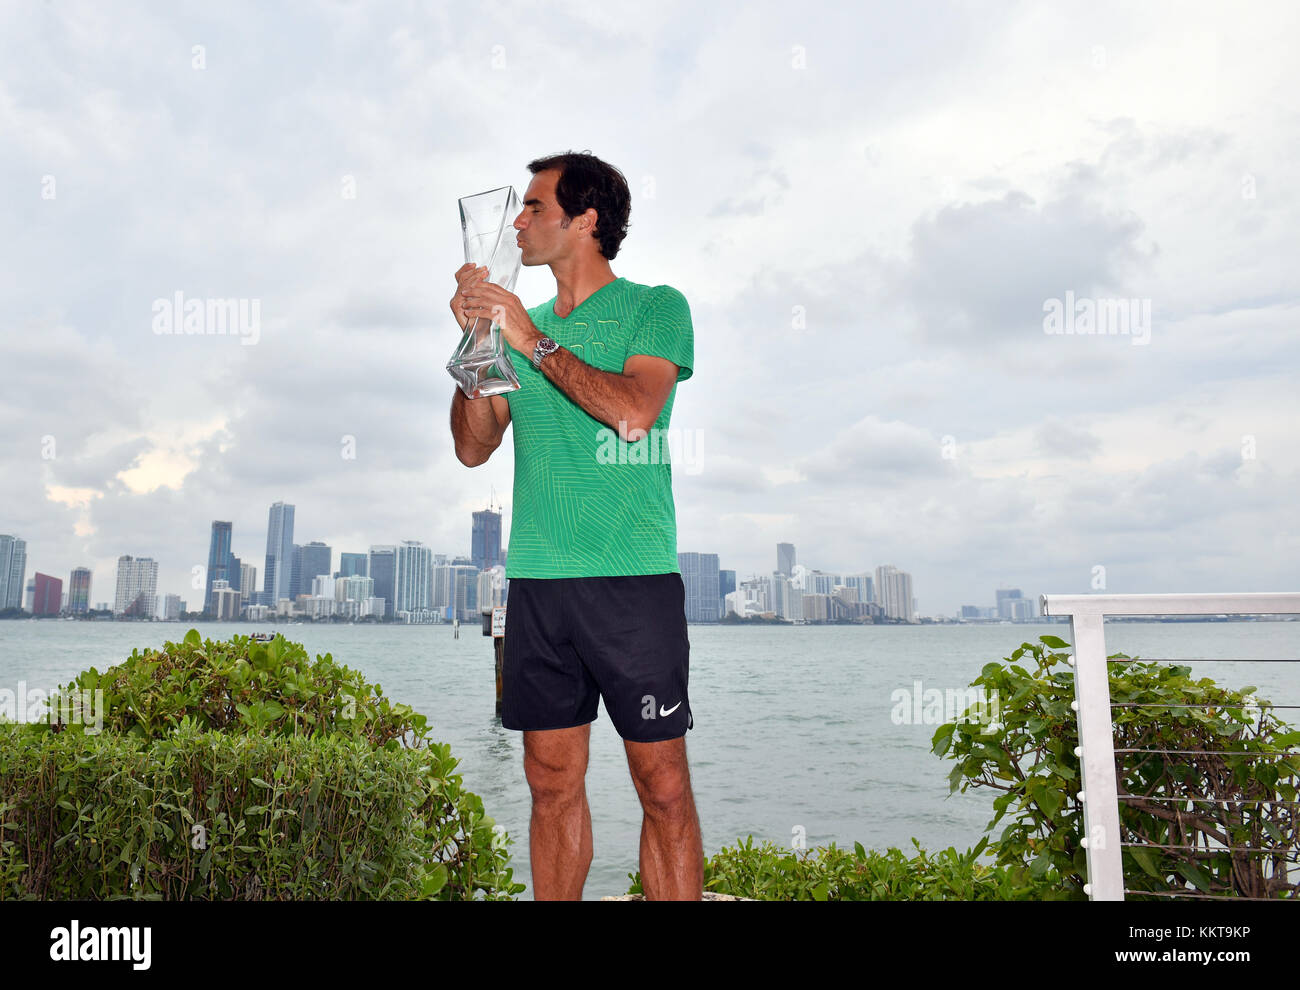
481	365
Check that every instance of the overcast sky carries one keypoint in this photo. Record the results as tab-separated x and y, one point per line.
868	208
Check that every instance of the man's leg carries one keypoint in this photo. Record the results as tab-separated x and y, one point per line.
559	831
672	850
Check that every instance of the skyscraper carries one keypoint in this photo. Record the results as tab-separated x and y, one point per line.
444	585
865	586
247	582
786	600
49	595
485	542
383	568
463	579
785	558
218	562
79	591
817	582
310	562
225	600
1004	597
137	587
700	579
13	571
413	581
352	565
279	553
894	592
1022	609
354	587
295	571
491	590
726	585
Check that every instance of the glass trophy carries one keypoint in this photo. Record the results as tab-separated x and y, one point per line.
481	365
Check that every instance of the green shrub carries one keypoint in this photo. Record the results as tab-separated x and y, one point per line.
241	771
1029	757
827	873
243	686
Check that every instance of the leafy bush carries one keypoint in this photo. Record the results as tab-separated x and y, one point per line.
241	771
243	686
1168	799
827	873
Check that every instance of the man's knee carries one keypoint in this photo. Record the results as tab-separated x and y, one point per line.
555	777
665	789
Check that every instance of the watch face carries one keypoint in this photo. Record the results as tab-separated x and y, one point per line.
544	347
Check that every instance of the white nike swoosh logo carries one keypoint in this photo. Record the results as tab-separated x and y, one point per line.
665	714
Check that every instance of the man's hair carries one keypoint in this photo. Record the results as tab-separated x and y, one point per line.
586	182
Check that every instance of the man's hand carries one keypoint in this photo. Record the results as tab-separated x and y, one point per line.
487	299
466	275
477	425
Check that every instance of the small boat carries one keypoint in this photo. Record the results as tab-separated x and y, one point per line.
262	637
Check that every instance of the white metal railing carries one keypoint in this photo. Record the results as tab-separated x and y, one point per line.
1096	752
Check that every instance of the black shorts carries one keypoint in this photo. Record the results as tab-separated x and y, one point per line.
570	641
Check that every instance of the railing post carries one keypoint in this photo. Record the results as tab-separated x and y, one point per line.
1092	700
1097	758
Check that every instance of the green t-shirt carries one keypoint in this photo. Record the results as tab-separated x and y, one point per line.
587	504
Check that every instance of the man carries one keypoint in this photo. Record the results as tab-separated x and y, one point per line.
597	605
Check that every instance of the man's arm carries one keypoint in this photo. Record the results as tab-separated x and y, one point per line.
629	402
477	426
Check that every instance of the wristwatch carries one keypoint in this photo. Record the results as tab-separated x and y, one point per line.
544	347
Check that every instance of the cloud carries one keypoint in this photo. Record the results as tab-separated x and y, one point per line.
875	453
1060	440
979	273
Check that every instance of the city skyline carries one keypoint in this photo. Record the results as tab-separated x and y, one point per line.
409	578
424	573
221	542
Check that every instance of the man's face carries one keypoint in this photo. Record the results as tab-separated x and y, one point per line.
545	234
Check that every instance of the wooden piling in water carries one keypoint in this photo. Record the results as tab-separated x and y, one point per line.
494	625
499	648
